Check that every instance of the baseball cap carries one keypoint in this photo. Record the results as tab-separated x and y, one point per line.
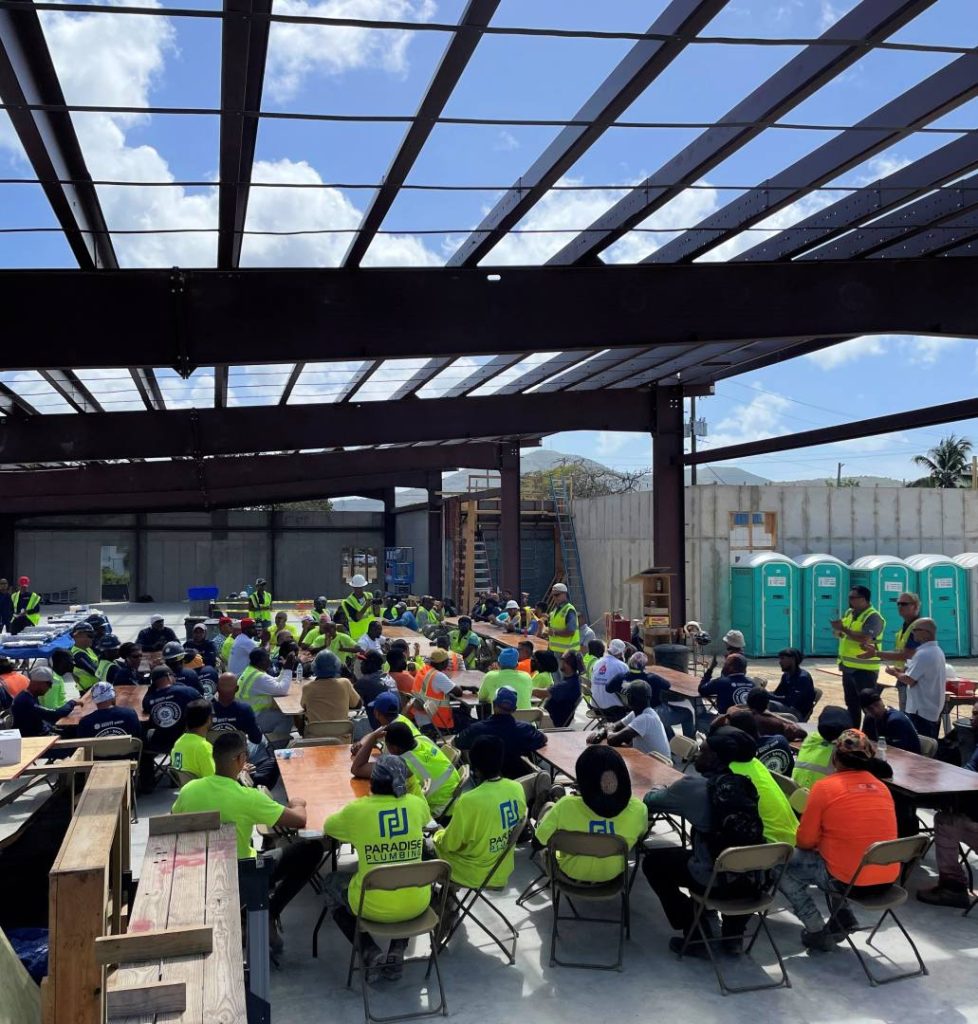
103	691
247	622
225	618
508	658
160	672
387	702
42	672
559	588
390	768
439	656
326	665
24	581
505	698
734	638
82	627
156	618
616	647
200	626
856	744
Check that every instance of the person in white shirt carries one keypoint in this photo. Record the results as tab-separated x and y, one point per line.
373	640
926	679
244	644
587	635
641	728
607	676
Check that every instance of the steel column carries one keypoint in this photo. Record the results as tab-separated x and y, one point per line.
390	517
436	548
8	553
509	518
668	497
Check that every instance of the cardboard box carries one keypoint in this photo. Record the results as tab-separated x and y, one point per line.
9	746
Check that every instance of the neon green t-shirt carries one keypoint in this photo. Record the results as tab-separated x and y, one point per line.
479	831
513	678
55	697
383	830
194	754
226	646
780	821
243	807
425	762
571	814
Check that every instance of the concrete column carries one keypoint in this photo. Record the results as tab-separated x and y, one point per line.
436	565
668	512
509	526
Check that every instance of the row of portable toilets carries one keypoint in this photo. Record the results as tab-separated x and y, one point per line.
780	602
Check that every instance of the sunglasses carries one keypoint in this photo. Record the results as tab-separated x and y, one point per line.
904	604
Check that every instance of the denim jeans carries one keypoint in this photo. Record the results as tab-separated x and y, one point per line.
805	869
925	727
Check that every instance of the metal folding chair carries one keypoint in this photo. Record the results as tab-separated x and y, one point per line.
766	859
584	844
389	878
341	729
906	852
466	903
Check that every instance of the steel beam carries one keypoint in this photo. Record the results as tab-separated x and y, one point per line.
149	388
419	378
932	416
946	89
668	497
936	240
255	429
916	179
482	375
72	390
244	46
461	46
13	405
540	372
28	77
804	74
640	67
410	313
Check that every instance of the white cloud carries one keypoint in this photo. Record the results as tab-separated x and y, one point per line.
506	141
926	351
764	416
296	50
610	442
847	351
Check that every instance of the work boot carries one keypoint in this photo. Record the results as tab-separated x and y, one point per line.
822	940
394	967
842	921
696	946
276	942
946	894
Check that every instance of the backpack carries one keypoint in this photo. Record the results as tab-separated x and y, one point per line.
736	819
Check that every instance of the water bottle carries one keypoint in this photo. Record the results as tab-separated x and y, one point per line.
881	749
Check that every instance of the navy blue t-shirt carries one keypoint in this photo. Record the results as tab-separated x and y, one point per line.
110	722
797	691
657	684
896	729
236	715
31	719
166	708
727	690
563	699
126	676
207	649
188	677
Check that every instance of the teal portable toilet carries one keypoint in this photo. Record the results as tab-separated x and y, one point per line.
765	603
943	588
824	598
969	562
887	578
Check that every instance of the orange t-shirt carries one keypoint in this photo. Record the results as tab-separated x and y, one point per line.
524	666
15	682
846	813
404	681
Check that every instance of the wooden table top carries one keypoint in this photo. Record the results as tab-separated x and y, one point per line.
125	697
564	748
291	703
682	683
425	646
498	635
31	748
321	776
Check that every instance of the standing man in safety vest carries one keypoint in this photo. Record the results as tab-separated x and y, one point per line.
861	626
564	632
908	605
260	603
84	660
26	604
356	606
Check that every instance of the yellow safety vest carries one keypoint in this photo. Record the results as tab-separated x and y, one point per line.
226	648
460	645
261	605
86	678
849	650
358	627
256	701
902	636
29	609
558	620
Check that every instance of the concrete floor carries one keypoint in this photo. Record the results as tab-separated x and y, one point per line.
483	989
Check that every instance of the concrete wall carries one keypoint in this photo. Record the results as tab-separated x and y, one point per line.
227	550
615	535
412	532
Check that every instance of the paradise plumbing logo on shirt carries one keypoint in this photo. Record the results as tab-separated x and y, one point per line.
509	813
601	827
393	822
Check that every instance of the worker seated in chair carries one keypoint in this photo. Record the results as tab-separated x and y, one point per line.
192	753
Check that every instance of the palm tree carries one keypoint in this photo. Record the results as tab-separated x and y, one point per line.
948	464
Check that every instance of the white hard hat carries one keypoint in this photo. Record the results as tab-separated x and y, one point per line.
357	581
559	588
734	638
512	606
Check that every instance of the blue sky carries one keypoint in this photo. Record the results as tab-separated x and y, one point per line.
118	59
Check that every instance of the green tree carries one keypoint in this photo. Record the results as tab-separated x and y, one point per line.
585	479
948	464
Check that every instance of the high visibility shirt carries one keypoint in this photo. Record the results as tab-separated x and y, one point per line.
354	606
478	833
239	805
86	667
779	820
429	765
850	650
257	689
813	761
27	604
55	697
511	677
194	754
226	648
572	814
904	642
261	606
558	620
465	644
383	830
103	668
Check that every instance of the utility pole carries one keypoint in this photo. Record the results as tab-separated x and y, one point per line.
692	437
974	472
838	475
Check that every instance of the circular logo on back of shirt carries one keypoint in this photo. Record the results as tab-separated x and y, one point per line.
740	693
111	730
777	760
165	714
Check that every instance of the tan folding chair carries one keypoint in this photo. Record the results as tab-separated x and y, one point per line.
906	852
390	878
684	750
788	785
799	800
341	730
818	697
119	747
180	778
768	860
316	741
452	753
928	746
465	903
584	844
532	715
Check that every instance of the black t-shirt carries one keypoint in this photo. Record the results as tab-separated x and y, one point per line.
897	730
564	695
657	684
797	691
166	709
236	715
188	677
126	676
519	738
110	722
151	639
